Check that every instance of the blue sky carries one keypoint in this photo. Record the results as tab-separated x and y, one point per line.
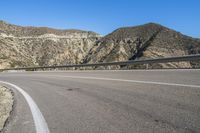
103	16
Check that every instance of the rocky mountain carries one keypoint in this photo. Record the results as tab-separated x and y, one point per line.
42	46
146	41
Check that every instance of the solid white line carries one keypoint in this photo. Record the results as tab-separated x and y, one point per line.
132	81
40	123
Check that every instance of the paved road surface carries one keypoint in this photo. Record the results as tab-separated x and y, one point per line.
158	101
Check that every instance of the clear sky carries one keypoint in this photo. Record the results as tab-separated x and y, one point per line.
103	16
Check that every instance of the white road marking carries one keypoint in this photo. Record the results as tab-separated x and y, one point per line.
132	81
40	123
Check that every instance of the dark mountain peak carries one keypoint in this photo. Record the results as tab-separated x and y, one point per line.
142	27
152	24
141	31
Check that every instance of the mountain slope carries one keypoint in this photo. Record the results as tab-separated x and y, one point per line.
146	41
35	46
42	46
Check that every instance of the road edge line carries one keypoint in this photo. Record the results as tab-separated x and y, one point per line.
39	121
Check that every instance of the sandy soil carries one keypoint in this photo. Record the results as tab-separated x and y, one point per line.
6	103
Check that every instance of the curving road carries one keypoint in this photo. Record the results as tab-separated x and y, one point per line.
138	101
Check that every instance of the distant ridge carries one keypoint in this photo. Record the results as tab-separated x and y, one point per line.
36	31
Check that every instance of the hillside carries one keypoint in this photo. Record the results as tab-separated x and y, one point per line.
146	41
39	46
42	46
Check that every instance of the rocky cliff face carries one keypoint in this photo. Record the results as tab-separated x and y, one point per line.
41	46
145	41
29	46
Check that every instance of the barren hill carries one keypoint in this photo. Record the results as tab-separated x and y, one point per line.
146	41
41	46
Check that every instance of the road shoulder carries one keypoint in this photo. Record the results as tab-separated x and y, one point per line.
6	105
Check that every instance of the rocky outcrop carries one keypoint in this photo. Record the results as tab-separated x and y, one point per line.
145	41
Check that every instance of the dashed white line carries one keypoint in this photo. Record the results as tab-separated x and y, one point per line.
133	81
39	121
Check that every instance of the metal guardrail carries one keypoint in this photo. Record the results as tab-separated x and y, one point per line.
131	62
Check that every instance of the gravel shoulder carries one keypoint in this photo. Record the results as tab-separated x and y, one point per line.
6	104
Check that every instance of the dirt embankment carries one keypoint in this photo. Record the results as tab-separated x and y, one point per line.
6	104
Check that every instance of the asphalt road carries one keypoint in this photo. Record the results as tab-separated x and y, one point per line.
158	101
